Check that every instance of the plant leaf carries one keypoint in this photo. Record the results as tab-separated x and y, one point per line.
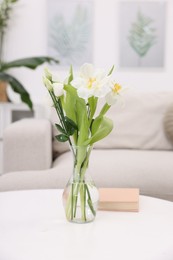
105	128
17	87
69	102
104	109
82	120
92	101
31	63
62	138
71	123
60	129
70	75
71	127
96	124
111	70
69	105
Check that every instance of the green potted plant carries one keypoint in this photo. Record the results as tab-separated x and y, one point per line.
30	63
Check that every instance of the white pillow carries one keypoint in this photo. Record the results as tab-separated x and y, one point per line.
139	123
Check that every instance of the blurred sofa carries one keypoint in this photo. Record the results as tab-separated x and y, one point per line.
138	152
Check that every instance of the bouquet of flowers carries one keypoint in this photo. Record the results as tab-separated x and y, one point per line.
75	101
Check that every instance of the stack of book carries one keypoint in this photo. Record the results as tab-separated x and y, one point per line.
119	199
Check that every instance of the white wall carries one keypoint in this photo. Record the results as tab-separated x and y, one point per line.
27	37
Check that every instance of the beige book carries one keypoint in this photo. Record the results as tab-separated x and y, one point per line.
119	199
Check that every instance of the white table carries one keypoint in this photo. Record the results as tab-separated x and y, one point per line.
33	227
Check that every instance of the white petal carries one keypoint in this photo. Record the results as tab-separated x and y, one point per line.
55	77
78	82
101	92
111	98
66	81
84	93
58	89
87	71
100	74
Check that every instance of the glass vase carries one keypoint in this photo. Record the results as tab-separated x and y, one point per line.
80	196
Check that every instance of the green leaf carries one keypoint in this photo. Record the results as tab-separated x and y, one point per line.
111	70
62	138
70	126
96	124
82	121
60	129
92	102
69	105
17	87
71	123
69	102
104	109
105	128
98	120
70	75
31	63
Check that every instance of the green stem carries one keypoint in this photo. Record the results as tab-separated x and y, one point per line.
79	186
56	105
83	201
85	163
72	202
90	204
80	170
105	108
60	115
92	108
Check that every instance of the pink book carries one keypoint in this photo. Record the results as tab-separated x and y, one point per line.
119	199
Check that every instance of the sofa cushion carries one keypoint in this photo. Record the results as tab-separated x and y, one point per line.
168	123
138	124
151	171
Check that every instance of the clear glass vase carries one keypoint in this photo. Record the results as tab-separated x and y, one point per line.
80	196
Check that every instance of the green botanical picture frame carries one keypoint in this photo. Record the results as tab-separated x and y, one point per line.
142	34
70	31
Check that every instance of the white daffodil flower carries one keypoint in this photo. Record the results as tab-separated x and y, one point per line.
58	89
114	94
91	82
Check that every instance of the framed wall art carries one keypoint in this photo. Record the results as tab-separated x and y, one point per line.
70	31
142	34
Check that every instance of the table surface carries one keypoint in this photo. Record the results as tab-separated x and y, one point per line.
33	227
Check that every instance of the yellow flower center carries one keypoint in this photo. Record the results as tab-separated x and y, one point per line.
90	82
116	88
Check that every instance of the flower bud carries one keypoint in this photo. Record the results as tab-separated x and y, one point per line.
55	77
47	84
58	89
47	73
